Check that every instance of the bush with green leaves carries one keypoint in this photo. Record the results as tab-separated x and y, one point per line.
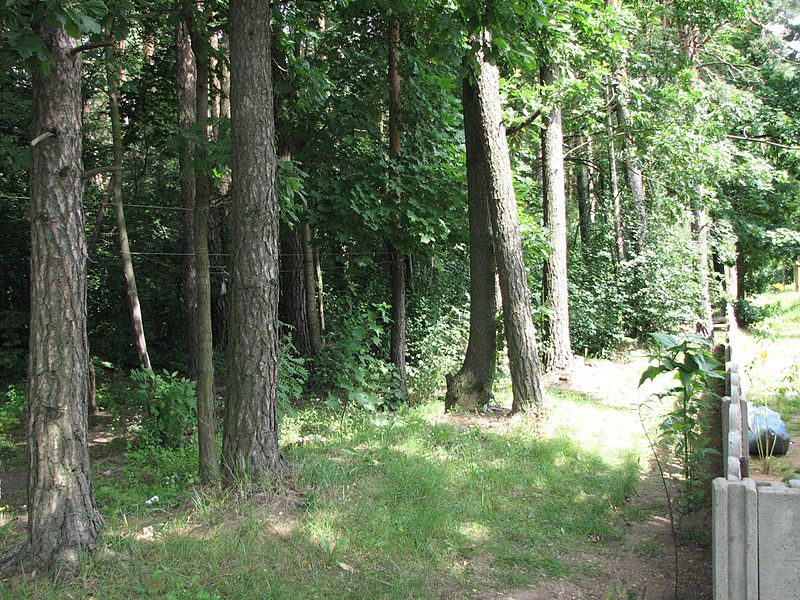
12	412
169	407
685	426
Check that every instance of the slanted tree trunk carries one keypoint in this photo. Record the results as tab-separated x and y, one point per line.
556	291
471	388
520	335
112	75
619	234
312	312
250	439
206	435
397	266
186	75
63	522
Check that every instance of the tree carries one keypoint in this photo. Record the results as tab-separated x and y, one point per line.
186	78
518	326
206	436
250	438
63	522
135	307
471	388
556	288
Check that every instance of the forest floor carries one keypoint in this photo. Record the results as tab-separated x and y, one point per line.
418	504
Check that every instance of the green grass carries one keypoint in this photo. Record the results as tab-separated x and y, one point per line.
412	507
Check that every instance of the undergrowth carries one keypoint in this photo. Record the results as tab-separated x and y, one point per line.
409	506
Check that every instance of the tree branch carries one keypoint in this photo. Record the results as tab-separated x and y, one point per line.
759	140
520	126
90	46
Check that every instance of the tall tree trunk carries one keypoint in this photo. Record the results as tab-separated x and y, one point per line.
520	335
556	291
397	267
186	75
688	37
206	435
312	313
471	388
619	234
63	522
112	74
250	440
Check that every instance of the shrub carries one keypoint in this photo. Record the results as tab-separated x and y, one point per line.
169	407
685	426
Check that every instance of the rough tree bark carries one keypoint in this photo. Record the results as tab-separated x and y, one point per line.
250	439
556	292
397	266
471	388
206	435
63	522
520	335
186	75
112	75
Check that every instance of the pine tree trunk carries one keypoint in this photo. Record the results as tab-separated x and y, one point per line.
63	522
397	267
186	75
250	440
112	74
556	290
471	388
312	312
520	335
206	435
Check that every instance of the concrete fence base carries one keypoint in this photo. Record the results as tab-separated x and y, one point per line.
756	540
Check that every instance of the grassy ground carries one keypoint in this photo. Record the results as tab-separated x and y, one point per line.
419	505
772	371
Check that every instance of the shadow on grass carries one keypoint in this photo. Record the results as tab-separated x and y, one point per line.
405	510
